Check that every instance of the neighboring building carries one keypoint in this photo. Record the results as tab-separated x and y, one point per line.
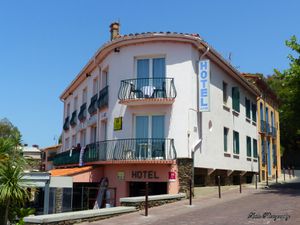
48	155
132	115
268	124
33	155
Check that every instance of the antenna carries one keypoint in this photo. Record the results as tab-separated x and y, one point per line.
229	56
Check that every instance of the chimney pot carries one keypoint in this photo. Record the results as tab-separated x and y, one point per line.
114	30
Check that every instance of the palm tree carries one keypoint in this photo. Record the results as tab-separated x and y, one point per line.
12	187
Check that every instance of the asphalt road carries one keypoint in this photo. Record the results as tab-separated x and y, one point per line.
279	204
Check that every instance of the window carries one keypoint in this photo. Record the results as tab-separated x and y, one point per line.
248	110
274	155
75	103
67	143
254	148
254	112
225	94
236	99
84	96
226	130
248	139
74	140
236	142
263	155
104	78
93	134
261	111
95	86
83	138
68	110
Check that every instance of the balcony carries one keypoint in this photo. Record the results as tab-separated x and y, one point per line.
67	157
154	149
103	98
262	126
82	114
269	129
274	132
92	107
66	124
143	91
73	120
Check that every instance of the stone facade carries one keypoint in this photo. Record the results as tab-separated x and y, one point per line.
185	166
58	200
151	203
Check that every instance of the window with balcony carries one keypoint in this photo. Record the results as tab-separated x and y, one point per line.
236	99
73	120
263	152
92	107
150	136
102	101
236	143
82	114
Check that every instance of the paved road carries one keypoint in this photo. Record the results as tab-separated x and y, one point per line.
280	203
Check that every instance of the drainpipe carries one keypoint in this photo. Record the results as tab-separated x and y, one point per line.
199	120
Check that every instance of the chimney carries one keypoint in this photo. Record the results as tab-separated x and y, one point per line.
114	30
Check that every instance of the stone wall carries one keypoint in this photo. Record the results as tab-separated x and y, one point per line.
58	200
184	174
151	203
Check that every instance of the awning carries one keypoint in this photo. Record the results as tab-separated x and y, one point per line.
70	171
80	174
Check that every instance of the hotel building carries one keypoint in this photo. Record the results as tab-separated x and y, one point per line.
133	115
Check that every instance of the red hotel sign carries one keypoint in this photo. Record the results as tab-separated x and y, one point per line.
172	176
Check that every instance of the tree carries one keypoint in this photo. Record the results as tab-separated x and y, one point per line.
12	188
287	86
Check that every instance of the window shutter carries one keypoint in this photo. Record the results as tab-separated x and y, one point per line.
237	143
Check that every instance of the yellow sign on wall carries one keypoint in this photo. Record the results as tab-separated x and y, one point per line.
118	123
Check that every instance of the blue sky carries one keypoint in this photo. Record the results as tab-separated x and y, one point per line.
44	44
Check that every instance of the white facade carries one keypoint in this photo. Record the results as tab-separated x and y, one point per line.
190	129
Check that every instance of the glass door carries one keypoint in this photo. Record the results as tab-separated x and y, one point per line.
158	135
141	134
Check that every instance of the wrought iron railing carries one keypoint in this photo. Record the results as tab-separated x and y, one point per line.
92	107
274	132
262	126
121	149
102	101
131	149
141	88
82	114
67	157
73	120
66	124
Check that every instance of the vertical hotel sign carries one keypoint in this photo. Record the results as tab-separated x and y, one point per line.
204	83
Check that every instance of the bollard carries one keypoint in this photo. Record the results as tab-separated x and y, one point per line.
255	181
293	171
146	200
219	186
276	175
283	173
240	183
191	194
289	171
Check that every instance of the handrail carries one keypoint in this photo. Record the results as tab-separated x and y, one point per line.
141	88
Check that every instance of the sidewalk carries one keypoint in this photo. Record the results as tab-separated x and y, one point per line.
178	208
205	197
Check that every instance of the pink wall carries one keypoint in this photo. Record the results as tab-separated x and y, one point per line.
93	176
152	172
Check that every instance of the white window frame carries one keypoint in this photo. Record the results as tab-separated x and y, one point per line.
150	57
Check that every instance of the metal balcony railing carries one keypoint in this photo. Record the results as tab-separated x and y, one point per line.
269	129
67	157
150	88
66	124
262	126
131	149
102	101
274	132
122	149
